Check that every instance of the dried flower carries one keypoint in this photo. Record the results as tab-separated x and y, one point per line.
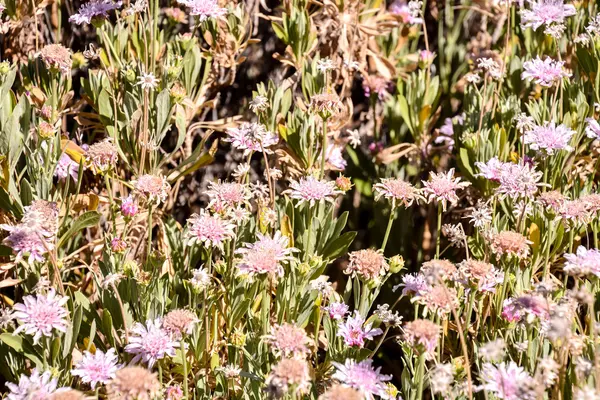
134	383
97	368
57	58
259	104
326	104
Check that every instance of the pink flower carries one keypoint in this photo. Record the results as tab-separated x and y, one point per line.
252	137
129	207
362	376
397	190
337	311
442	187
97	368
367	264
583	262
224	195
150	342
173	393
355	331
406	13
422	335
204	9
312	190
549	138
38	315
94	9
545	73
335	158
378	85
266	255
103	155
210	230
35	387
510	244
415	284
118	245
154	188
518	180
546	12
288	340
592	129
65	167
530	306
505	381
26	242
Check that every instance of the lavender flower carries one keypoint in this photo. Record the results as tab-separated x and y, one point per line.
39	315
583	262
545	73
150	343
251	137
97	368
355	331
546	12
592	129
363	377
204	9
66	167
36	386
549	138
311	190
504	380
337	311
442	187
94	9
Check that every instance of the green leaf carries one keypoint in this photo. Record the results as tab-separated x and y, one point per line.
163	113
85	220
339	246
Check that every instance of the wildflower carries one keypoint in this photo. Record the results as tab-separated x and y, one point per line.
266	255
97	368
150	343
325	64
251	137
288	340
441	378
27	242
343	183
66	167
35	386
376	85
479	274
438	269
545	73
337	311
397	190
118	245
473	78
586	393
154	188
38	315
355	331
173	392
94	9
548	370
526	306
179	322
57	58
259	104
334	157
387	316
354	138
493	351
440	299
455	234
519	180
422	335
311	190
133	383
592	129
201	279
204	9
546	12
415	284
575	212
552	199
67	394
111	280
209	230
442	188
341	392
129	207
103	155
326	104
241	170
592	201
549	138
481	215
230	371
362	376
555	30
288	375
408	13
321	285
583	262
511	244
147	81
224	195
367	264
504	380
238	215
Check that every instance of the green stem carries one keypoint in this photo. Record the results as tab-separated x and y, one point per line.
389	226
185	371
323	148
419	376
439	231
149	233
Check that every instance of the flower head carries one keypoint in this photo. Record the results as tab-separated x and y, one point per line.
479	274
178	322
266	255
150	343
36	386
201	279
583	262
326	104
355	331
546	12
251	137
147	81
592	129
57	58
422	335
129	206
133	383
288	340
504	380
545	73
337	311
66	167
94	9
27	242
527	306
442	187
204	9
289	374
103	155
209	230
227	195
341	392
154	188
549	138
97	368
40	314
414	284
367	264
511	244
362	376
311	190
397	190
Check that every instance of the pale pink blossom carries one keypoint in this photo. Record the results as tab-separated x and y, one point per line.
422	335
35	387
592	128
549	137
442	187
227	195
545	73
154	188
528	306
150	342
288	340
97	368
546	12
251	137
209	230
337	311
504	380
266	256
311	190
397	190
204	9
583	262
66	167
363	377
355	331
40	314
